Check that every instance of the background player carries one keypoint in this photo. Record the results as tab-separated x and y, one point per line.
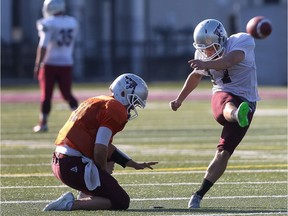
54	58
230	63
84	145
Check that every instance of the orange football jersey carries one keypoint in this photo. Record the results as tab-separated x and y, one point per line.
80	130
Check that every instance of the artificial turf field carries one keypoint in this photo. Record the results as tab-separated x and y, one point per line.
255	182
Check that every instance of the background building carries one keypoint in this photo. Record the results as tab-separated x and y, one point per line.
152	38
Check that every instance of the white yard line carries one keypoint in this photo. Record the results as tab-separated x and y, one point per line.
25	165
271	112
169	171
27	156
221	197
151	184
155	199
184	138
234	214
255	161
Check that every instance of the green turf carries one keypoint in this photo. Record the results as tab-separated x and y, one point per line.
183	142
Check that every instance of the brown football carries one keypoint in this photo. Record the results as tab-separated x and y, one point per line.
259	27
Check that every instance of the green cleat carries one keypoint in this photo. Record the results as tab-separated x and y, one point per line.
242	114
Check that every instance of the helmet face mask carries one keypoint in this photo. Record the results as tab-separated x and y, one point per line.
52	7
130	90
210	52
134	101
210	35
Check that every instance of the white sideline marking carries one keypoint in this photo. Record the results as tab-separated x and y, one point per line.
148	173
154	199
150	184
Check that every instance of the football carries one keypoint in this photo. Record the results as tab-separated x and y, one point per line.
259	27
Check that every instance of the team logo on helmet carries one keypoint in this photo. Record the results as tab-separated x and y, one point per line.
130	83
218	31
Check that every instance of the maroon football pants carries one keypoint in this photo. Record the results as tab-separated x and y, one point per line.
232	133
70	170
48	77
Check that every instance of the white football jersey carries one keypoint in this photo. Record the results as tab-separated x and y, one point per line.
240	79
58	34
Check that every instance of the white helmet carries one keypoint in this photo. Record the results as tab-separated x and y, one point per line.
52	7
131	91
210	33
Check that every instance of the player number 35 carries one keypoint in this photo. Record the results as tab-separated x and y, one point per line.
65	37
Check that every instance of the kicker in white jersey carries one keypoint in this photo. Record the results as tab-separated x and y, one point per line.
238	78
